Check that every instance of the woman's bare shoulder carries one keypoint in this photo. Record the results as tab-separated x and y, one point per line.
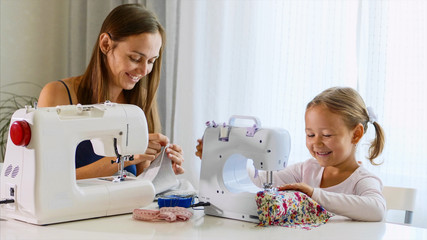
54	93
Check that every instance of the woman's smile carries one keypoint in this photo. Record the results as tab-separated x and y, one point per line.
134	78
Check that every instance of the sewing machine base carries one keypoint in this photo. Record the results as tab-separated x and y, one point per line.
119	198
239	206
214	211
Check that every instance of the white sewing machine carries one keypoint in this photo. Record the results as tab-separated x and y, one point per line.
224	179
38	177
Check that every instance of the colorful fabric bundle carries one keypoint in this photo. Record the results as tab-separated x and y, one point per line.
290	209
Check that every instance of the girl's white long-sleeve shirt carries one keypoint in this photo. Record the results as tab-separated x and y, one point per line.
359	197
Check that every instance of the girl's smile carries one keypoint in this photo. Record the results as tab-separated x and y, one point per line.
328	138
323	154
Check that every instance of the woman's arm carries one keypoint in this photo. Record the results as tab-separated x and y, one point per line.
101	168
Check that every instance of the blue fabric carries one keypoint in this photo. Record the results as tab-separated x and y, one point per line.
85	155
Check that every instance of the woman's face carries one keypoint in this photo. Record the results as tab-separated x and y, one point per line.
328	138
133	58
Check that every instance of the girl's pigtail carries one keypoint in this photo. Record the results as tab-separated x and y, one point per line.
377	145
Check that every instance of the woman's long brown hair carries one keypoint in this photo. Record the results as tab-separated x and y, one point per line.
124	21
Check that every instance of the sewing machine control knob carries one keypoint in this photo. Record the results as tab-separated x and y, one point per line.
20	133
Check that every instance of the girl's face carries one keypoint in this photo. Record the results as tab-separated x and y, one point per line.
133	58
328	139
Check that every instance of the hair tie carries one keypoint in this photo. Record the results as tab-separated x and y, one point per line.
372	116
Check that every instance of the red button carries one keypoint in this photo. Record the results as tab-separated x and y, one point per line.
20	133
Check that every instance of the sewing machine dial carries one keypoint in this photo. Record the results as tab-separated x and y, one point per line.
20	133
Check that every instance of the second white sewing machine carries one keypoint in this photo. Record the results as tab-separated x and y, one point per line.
224	179
38	178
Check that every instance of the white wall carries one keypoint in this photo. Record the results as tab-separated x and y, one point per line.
33	43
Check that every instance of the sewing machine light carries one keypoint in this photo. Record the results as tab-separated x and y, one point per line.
20	133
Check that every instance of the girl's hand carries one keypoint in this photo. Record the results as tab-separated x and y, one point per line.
199	148
175	154
302	187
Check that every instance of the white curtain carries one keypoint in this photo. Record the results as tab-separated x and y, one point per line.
269	58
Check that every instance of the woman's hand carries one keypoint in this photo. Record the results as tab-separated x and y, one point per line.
199	148
302	187
155	143
175	154
142	161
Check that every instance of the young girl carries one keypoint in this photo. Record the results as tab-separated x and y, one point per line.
335	121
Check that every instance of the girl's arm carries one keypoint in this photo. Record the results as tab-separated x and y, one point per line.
367	204
290	174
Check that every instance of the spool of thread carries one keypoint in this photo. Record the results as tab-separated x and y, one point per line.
175	201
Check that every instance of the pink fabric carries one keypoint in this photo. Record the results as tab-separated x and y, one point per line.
169	214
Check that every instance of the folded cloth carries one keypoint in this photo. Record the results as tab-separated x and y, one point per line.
290	209
169	214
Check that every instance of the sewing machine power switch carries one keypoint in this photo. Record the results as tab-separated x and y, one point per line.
20	133
11	195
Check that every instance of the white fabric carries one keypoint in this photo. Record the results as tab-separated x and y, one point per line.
358	197
160	173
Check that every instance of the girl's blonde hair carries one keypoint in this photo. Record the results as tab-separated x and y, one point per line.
124	21
349	104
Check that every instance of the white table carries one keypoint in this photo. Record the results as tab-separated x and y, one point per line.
201	226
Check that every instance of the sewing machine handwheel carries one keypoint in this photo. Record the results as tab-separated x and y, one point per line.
20	133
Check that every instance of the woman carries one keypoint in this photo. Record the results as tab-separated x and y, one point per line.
124	68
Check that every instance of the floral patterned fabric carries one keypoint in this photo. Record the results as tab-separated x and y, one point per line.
290	209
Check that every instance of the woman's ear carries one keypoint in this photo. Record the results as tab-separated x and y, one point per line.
105	42
358	132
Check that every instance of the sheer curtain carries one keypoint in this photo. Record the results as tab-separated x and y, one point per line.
393	59
269	58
